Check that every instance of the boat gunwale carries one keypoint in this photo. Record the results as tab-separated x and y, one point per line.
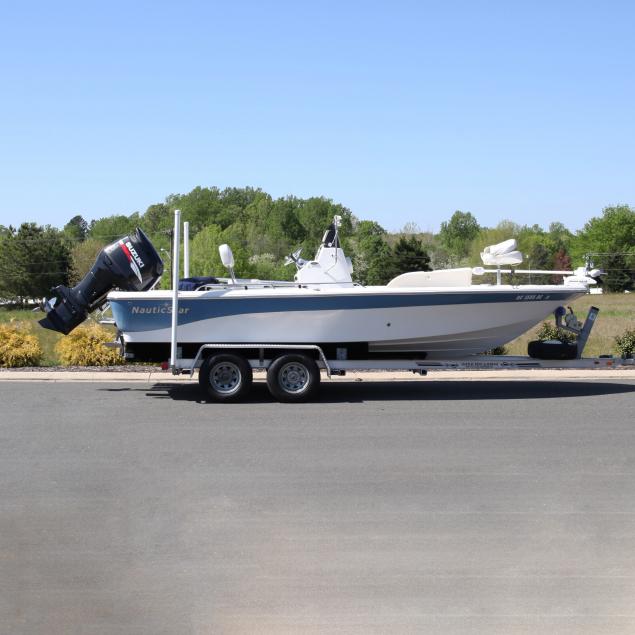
227	293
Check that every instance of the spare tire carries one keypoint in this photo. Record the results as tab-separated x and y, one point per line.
552	349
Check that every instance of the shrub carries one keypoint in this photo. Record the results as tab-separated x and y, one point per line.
626	343
18	347
85	347
549	331
497	350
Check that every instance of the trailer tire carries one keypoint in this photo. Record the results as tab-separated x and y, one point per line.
225	377
293	378
552	349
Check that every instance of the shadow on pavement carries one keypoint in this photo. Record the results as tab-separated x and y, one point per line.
355	392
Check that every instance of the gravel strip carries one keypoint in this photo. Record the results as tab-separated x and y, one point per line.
137	368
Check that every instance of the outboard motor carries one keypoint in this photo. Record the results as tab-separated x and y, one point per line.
130	263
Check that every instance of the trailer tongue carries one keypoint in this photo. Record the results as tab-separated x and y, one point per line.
130	263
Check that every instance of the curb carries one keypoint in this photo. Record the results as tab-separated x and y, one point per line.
154	377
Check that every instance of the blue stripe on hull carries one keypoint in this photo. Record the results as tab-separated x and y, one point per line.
152	314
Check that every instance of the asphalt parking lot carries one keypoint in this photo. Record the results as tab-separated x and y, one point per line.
439	507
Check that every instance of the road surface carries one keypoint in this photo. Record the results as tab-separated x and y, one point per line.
439	507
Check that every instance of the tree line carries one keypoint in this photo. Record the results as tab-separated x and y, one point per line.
262	231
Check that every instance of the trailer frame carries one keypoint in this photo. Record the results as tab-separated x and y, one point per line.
187	366
564	319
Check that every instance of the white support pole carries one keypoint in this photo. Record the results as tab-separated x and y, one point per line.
176	261
186	249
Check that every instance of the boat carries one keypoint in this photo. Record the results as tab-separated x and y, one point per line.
444	314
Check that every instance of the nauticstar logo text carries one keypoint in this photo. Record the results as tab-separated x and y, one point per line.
159	309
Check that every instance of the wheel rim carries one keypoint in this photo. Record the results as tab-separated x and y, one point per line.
294	377
225	378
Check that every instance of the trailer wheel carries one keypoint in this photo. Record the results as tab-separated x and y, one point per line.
293	378
552	349
225	377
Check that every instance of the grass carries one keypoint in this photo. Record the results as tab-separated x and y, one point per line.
617	314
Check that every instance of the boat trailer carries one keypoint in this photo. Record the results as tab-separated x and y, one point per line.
293	370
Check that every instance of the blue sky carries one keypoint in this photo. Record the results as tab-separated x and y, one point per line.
403	111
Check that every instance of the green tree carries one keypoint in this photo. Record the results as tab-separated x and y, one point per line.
76	229
204	258
372	256
83	257
609	241
157	218
110	228
408	254
201	207
284	220
316	214
266	267
457	233
540	257
236	237
561	238
32	260
537	249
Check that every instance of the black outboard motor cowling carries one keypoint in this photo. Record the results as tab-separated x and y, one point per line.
130	263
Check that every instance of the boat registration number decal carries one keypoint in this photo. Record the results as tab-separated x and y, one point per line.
533	296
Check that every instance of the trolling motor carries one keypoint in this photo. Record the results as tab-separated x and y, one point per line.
130	263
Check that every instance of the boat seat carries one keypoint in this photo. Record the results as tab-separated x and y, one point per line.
504	253
441	278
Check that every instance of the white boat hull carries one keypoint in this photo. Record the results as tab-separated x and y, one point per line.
436	322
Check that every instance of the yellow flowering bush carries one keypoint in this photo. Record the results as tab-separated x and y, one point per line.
85	347
18	347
